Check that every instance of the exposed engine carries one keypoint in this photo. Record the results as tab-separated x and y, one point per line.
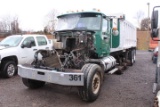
71	50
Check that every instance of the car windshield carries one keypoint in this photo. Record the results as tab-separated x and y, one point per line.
11	41
84	21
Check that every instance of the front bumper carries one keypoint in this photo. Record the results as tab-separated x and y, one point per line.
51	76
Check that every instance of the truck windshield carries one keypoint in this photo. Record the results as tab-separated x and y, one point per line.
84	21
11	41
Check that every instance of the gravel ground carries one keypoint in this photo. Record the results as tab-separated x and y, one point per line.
131	89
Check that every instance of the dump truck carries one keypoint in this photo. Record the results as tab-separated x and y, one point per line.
87	45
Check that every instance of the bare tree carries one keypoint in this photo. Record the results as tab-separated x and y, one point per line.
145	24
139	16
15	26
6	22
51	21
9	24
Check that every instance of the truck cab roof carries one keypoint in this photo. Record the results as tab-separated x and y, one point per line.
86	12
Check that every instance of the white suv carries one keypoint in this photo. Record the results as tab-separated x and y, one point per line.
19	49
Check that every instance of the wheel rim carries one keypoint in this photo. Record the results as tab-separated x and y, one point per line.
96	82
11	70
134	57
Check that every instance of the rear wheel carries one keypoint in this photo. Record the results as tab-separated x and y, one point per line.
132	56
92	82
33	84
9	69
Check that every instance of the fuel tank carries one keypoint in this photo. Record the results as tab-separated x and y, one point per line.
108	62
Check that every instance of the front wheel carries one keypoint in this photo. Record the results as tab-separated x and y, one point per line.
9	69
33	84
92	82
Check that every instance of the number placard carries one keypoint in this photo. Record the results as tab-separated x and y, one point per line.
75	77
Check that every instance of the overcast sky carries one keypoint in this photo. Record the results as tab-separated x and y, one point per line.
32	13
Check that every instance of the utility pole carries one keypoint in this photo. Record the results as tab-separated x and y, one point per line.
148	9
148	33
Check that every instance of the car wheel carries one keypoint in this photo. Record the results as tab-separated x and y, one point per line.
9	69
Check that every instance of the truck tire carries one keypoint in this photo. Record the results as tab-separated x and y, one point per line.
92	82
32	84
9	69
132	56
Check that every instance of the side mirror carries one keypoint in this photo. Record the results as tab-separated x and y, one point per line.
115	32
154	33
154	20
105	38
27	45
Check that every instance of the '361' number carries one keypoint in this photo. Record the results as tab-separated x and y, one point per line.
75	77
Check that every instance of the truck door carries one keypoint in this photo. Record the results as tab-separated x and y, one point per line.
105	36
27	54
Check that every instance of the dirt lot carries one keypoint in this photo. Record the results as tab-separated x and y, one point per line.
131	89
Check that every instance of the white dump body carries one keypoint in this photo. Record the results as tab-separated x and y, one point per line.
128	38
